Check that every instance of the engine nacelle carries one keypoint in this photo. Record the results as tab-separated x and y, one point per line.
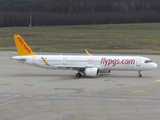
92	72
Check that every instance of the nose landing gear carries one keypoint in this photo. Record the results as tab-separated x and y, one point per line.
139	74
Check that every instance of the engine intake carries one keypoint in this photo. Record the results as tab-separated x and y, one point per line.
92	72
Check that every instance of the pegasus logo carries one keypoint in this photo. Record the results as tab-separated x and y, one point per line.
114	62
24	45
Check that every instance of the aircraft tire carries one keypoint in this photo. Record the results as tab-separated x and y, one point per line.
78	75
139	75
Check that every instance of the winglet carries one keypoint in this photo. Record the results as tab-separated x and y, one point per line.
45	61
22	47
87	52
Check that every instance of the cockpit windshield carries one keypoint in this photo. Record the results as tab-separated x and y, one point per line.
148	61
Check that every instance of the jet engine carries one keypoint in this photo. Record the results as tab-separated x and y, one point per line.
92	72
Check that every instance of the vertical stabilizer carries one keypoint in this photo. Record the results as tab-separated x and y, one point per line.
22	47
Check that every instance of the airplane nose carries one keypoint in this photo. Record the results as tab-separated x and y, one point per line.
155	65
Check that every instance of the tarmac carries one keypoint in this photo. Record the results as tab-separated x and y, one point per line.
32	93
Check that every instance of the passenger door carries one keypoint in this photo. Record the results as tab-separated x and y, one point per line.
138	62
34	60
64	61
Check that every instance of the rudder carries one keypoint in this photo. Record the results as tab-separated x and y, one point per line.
22	47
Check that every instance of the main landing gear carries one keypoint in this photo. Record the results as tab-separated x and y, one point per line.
78	75
139	74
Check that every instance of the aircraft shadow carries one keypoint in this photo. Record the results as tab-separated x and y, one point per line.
122	76
70	76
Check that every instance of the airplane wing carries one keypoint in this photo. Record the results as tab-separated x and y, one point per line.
74	66
87	52
45	62
68	66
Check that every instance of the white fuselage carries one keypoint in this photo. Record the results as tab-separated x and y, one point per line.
128	63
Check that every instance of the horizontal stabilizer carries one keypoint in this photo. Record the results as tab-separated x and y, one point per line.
18	58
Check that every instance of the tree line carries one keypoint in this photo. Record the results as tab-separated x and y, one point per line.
75	12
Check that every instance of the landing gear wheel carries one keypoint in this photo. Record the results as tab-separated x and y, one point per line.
78	75
139	75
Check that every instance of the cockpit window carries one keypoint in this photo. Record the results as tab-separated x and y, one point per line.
148	61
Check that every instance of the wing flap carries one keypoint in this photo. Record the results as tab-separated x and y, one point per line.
69	66
74	66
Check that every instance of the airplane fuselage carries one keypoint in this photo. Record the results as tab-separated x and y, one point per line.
135	63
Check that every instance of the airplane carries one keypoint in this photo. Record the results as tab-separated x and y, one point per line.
91	66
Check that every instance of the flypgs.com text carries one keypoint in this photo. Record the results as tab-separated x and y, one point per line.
113	62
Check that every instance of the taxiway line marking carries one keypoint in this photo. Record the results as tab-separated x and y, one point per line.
22	99
8	98
157	80
114	104
136	91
